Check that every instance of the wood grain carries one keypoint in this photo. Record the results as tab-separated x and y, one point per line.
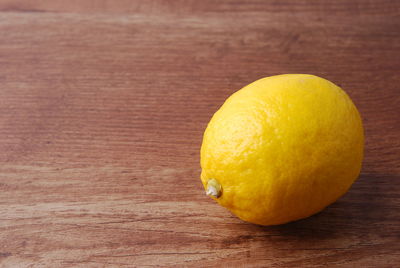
102	109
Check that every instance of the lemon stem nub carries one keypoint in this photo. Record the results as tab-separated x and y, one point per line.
214	189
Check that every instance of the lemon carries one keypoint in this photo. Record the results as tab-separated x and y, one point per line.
282	148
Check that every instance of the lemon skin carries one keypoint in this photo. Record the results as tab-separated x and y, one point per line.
283	148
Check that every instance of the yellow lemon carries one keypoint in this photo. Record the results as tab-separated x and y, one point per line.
282	148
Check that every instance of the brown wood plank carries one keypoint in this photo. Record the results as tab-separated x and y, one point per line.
102	109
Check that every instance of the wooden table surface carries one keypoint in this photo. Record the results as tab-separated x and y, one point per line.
102	110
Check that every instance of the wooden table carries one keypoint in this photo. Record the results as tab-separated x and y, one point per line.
102	110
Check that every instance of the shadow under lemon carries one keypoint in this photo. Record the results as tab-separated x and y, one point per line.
355	219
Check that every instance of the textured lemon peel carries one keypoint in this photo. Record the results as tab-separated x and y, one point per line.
285	126
214	189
